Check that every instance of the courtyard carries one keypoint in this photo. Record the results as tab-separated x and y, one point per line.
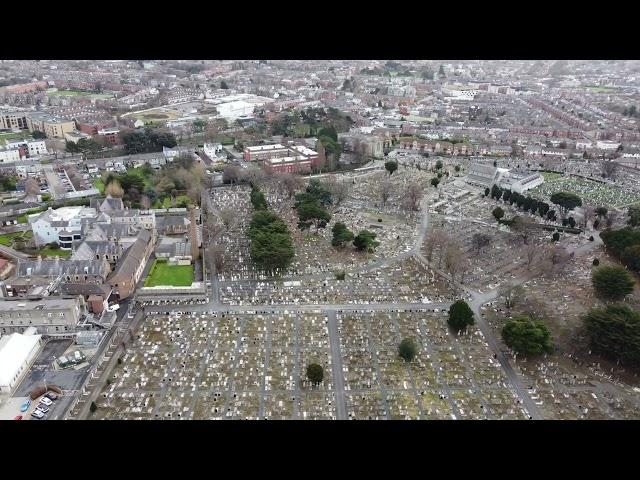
162	273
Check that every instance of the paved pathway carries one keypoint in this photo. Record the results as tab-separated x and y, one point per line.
336	366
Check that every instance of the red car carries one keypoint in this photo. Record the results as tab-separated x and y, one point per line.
19	417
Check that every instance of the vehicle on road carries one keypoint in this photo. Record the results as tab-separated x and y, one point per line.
46	401
42	407
25	406
37	414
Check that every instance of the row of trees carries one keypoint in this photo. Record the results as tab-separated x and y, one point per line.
624	244
147	140
271	245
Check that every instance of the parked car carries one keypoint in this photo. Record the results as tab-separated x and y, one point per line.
113	307
25	406
52	395
46	401
42	407
37	414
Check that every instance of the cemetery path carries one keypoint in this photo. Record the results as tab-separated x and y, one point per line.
336	366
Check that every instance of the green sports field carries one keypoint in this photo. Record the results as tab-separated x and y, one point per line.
164	274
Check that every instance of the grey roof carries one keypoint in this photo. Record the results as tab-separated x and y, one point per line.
53	268
85	289
133	256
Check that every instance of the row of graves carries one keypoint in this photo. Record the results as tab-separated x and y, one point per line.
404	281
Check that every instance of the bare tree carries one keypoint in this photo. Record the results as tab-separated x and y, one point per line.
610	169
479	241
256	176
228	217
145	202
523	226
444	241
412	196
231	174
512	294
338	188
588	213
114	189
290	183
610	218
532	254
385	191
559	257
452	258
434	239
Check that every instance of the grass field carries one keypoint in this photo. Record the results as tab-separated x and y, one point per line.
10	137
164	274
7	239
99	184
79	93
50	252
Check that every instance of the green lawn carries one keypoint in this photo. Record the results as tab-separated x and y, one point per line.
50	252
7	238
79	93
10	137
99	184
163	274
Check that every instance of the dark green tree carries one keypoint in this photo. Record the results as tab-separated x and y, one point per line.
527	336
435	181
498	213
365	240
391	166
315	373
612	282
460	315
408	349
439	164
341	235
566	201
615	332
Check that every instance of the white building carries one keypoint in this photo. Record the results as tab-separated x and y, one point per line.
10	156
607	145
17	352
211	150
520	182
34	148
61	226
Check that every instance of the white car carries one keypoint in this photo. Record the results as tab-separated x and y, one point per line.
46	401
113	308
42	408
37	414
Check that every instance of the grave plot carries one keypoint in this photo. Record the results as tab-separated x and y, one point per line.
313	331
403	405
254	333
283	334
503	404
316	405
469	404
249	370
435	329
244	406
394	372
177	405
322	357
453	368
218	370
209	405
281	370
359	370
365	406
354	334
435	406
424	372
227	333
125	406
279	406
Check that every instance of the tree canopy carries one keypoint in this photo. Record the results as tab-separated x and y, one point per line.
566	201
365	240
498	213
341	235
315	373
460	315
527	336
407	349
612	282
615	332
391	166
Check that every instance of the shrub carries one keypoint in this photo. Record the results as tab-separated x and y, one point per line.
596	262
612	282
93	407
407	349
315	373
